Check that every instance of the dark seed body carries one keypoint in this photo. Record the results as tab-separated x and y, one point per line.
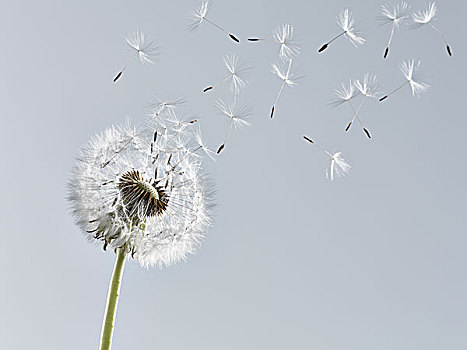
322	48
118	76
208	88
234	38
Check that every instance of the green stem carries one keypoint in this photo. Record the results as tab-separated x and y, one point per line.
112	301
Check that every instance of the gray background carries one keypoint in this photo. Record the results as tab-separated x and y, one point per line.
375	260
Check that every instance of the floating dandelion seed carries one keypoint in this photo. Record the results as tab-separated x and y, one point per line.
346	22
198	16
288	77
344	94
237	74
395	16
284	36
338	166
411	73
238	115
144	49
427	16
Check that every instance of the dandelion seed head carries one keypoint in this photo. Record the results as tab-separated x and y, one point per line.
411	72
284	71
344	93
238	113
395	14
368	86
289	47
425	16
197	16
145	48
346	22
238	71
338	167
147	195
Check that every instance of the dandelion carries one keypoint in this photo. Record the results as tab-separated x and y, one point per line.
141	192
369	88
346	22
237	72
338	167
344	94
427	16
289	47
145	50
410	70
395	16
288	77
198	16
238	114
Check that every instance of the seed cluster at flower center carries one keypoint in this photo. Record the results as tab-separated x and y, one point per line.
141	197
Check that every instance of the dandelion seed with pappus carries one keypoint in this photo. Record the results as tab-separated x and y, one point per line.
338	167
238	70
198	16
395	16
410	70
284	72
427	16
238	114
140	191
145	49
288	45
346	22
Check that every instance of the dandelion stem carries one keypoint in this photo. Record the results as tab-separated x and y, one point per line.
325	46
112	301
394	91
233	37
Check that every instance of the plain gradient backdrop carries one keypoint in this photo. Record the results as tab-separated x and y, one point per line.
375	260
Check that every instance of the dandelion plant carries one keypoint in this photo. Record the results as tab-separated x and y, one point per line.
427	16
288	77
395	16
237	114
140	192
198	16
346	22
410	70
237	74
338	167
145	49
288	44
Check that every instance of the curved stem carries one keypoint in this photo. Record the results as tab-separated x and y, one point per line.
112	301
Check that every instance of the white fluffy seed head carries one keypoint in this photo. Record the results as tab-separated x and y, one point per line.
289	47
411	72
346	22
142	189
145	47
425	16
394	14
